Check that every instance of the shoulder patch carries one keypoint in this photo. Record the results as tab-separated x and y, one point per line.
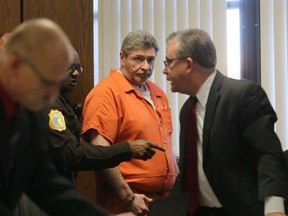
56	120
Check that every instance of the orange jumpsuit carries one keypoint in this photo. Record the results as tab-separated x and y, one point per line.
120	113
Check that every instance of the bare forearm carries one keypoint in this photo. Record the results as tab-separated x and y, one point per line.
133	202
116	180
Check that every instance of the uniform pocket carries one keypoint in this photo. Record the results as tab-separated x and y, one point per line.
166	119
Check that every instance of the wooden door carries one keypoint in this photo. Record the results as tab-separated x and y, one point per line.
76	18
9	15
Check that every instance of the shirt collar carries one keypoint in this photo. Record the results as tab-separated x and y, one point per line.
203	92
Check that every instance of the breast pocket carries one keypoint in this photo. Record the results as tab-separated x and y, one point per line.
166	119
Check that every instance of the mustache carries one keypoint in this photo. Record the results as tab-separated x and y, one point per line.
148	74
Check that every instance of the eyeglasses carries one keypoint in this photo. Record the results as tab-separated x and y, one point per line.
167	61
78	67
44	80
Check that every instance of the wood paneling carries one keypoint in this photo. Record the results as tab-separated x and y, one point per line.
76	18
9	15
86	184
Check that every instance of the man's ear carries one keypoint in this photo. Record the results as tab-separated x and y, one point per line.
122	56
190	60
3	40
190	64
14	62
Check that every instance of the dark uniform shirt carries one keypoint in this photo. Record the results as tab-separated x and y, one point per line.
68	152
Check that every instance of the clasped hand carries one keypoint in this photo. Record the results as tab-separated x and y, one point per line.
138	205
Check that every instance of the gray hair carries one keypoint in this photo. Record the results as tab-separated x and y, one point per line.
138	39
197	44
32	37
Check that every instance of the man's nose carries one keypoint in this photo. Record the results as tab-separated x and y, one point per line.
165	71
75	73
145	65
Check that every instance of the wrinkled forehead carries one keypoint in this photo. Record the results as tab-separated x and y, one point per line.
148	52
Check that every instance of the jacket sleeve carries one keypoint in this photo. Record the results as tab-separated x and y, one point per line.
80	156
68	151
50	191
56	195
258	119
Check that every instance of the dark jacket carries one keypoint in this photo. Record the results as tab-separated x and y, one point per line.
286	174
242	155
25	166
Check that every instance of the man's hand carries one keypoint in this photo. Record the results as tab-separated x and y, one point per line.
142	149
138	205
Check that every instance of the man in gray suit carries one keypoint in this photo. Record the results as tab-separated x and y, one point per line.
240	161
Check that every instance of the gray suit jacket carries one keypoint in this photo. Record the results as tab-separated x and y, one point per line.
242	156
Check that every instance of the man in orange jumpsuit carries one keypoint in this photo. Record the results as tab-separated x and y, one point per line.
126	106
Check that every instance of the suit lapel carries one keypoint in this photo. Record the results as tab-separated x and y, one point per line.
211	106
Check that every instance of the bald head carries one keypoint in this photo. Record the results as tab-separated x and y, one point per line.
34	37
35	62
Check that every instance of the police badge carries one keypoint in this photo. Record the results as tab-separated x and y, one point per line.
56	120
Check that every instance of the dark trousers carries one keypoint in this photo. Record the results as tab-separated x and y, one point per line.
205	211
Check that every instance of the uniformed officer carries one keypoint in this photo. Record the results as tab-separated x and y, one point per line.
69	152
